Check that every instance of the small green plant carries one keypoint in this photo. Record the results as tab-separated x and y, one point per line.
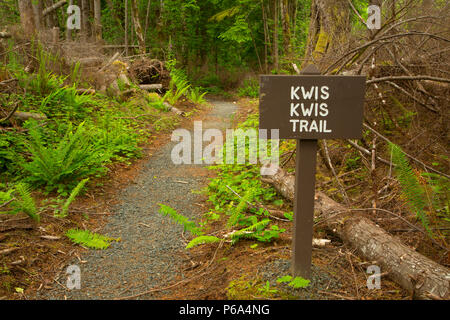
267	290
196	95
25	202
176	90
73	194
413	193
180	219
89	239
202	240
296	283
250	88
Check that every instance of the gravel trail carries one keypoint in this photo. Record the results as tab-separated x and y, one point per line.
150	250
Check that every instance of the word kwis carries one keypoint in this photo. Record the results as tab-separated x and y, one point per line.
309	109
238	142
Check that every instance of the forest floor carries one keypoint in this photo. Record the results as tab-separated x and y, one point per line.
150	251
150	260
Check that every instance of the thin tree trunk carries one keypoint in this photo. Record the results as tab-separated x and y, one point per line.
98	20
126	27
137	26
85	19
285	21
275	37
266	63
147	15
27	17
38	16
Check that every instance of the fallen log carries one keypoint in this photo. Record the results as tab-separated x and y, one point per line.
151	87
173	109
86	91
28	115
420	276
5	35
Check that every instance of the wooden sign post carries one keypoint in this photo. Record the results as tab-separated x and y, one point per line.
309	107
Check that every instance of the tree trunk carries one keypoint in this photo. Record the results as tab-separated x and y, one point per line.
126	27
97	20
275	37
285	22
38	15
420	276
137	26
328	29
27	17
85	19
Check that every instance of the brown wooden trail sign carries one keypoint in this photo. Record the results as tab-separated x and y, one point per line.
308	107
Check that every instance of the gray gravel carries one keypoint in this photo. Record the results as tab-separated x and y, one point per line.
150	251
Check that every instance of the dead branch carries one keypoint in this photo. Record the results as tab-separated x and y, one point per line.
52	8
406	154
16	106
391	78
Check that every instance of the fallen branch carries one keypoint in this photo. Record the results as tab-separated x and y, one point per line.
151	87
110	61
406	154
11	113
52	8
4	35
391	78
28	115
173	109
414	272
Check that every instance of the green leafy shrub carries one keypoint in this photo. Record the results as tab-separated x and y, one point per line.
250	88
196	95
62	166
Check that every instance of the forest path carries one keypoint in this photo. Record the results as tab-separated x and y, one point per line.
151	247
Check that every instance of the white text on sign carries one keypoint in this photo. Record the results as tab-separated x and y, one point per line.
311	108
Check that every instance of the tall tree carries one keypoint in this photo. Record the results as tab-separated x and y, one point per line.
27	17
137	26
97	20
275	36
328	28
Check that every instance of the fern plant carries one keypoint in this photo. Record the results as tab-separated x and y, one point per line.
89	239
25	202
412	190
61	167
73	194
202	240
196	95
250	232
180	219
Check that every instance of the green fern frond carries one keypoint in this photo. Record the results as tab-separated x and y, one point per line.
26	202
412	191
72	196
89	239
202	240
180	219
241	207
249	232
